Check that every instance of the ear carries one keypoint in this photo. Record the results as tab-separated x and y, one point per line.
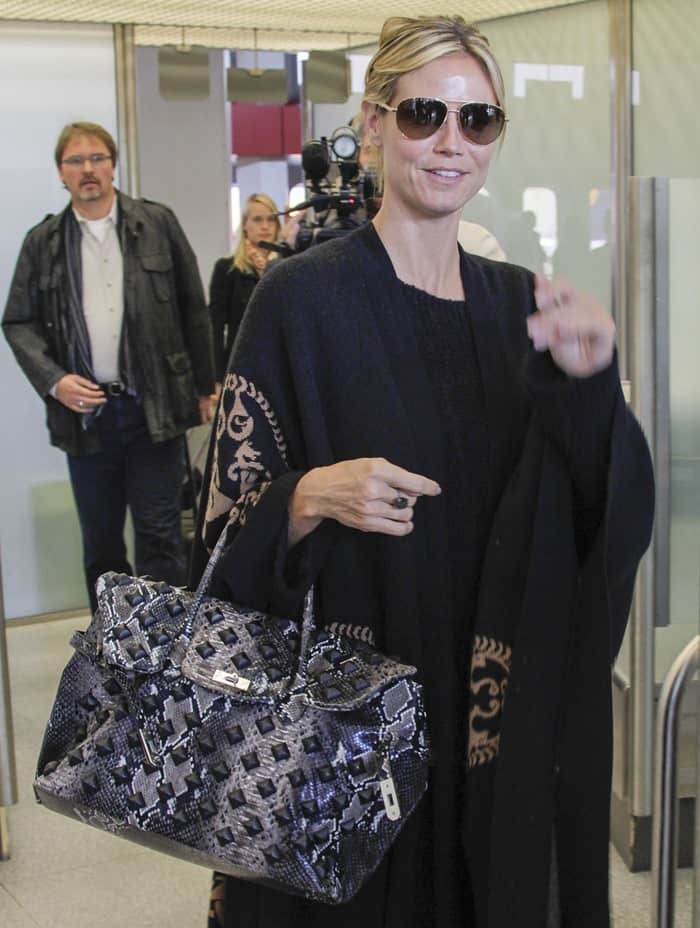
373	122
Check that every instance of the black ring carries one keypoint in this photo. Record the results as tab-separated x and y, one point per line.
399	502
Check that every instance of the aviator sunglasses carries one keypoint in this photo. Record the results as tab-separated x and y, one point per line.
421	117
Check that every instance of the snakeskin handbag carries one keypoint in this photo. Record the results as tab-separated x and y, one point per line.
234	739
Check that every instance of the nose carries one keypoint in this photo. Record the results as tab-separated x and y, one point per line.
449	137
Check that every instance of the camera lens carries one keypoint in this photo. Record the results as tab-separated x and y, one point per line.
344	143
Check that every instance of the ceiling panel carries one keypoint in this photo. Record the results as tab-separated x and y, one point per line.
290	25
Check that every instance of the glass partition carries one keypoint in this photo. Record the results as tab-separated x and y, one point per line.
50	74
667	144
547	199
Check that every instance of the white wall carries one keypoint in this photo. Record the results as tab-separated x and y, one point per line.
263	175
185	156
50	74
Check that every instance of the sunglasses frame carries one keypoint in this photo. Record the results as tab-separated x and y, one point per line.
448	109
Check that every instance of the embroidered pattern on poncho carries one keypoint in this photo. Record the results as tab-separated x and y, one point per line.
490	672
247	434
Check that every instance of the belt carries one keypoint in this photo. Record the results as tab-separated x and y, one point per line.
112	389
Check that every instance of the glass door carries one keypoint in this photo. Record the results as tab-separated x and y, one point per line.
664	304
549	203
548	196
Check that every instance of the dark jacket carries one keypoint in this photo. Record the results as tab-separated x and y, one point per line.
229	292
326	369
164	312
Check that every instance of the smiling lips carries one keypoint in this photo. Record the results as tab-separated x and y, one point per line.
445	172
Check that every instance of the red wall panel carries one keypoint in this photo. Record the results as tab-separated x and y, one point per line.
291	128
267	130
256	129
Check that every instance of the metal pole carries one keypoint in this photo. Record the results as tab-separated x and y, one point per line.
661	335
644	355
620	43
125	66
8	773
665	831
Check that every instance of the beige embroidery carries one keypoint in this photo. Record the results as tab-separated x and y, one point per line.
241	388
490	672
245	472
241	508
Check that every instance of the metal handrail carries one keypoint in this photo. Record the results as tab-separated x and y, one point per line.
664	828
8	773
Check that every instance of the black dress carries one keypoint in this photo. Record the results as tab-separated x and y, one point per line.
229	292
446	347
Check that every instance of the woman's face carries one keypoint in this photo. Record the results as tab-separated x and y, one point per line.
260	224
435	176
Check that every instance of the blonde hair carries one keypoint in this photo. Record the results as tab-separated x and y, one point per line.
407	43
240	256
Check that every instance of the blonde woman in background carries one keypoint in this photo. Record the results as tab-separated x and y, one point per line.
234	278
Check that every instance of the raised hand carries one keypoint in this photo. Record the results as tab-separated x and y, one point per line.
575	329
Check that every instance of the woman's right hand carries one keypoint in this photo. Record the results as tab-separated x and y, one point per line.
368	494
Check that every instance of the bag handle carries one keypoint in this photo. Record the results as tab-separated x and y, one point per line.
308	624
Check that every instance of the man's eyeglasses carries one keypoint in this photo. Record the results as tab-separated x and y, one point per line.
77	161
421	117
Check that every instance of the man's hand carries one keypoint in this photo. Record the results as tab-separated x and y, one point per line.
575	329
79	394
368	494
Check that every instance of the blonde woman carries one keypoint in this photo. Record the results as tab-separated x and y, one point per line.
440	443
233	279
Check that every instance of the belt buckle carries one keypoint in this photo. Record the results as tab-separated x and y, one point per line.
114	388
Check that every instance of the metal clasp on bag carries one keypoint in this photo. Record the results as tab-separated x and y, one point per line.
148	749
391	798
231	679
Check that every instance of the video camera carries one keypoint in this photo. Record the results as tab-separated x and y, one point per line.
337	191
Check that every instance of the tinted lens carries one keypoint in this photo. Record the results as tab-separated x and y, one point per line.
419	117
481	123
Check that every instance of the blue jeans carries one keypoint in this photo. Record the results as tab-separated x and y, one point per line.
130	470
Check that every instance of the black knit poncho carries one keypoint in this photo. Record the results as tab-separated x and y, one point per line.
327	366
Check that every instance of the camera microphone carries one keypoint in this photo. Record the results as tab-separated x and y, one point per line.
314	160
320	201
280	248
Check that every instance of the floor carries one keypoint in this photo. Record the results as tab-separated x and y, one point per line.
64	875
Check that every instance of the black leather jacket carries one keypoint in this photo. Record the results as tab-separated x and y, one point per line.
168	323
